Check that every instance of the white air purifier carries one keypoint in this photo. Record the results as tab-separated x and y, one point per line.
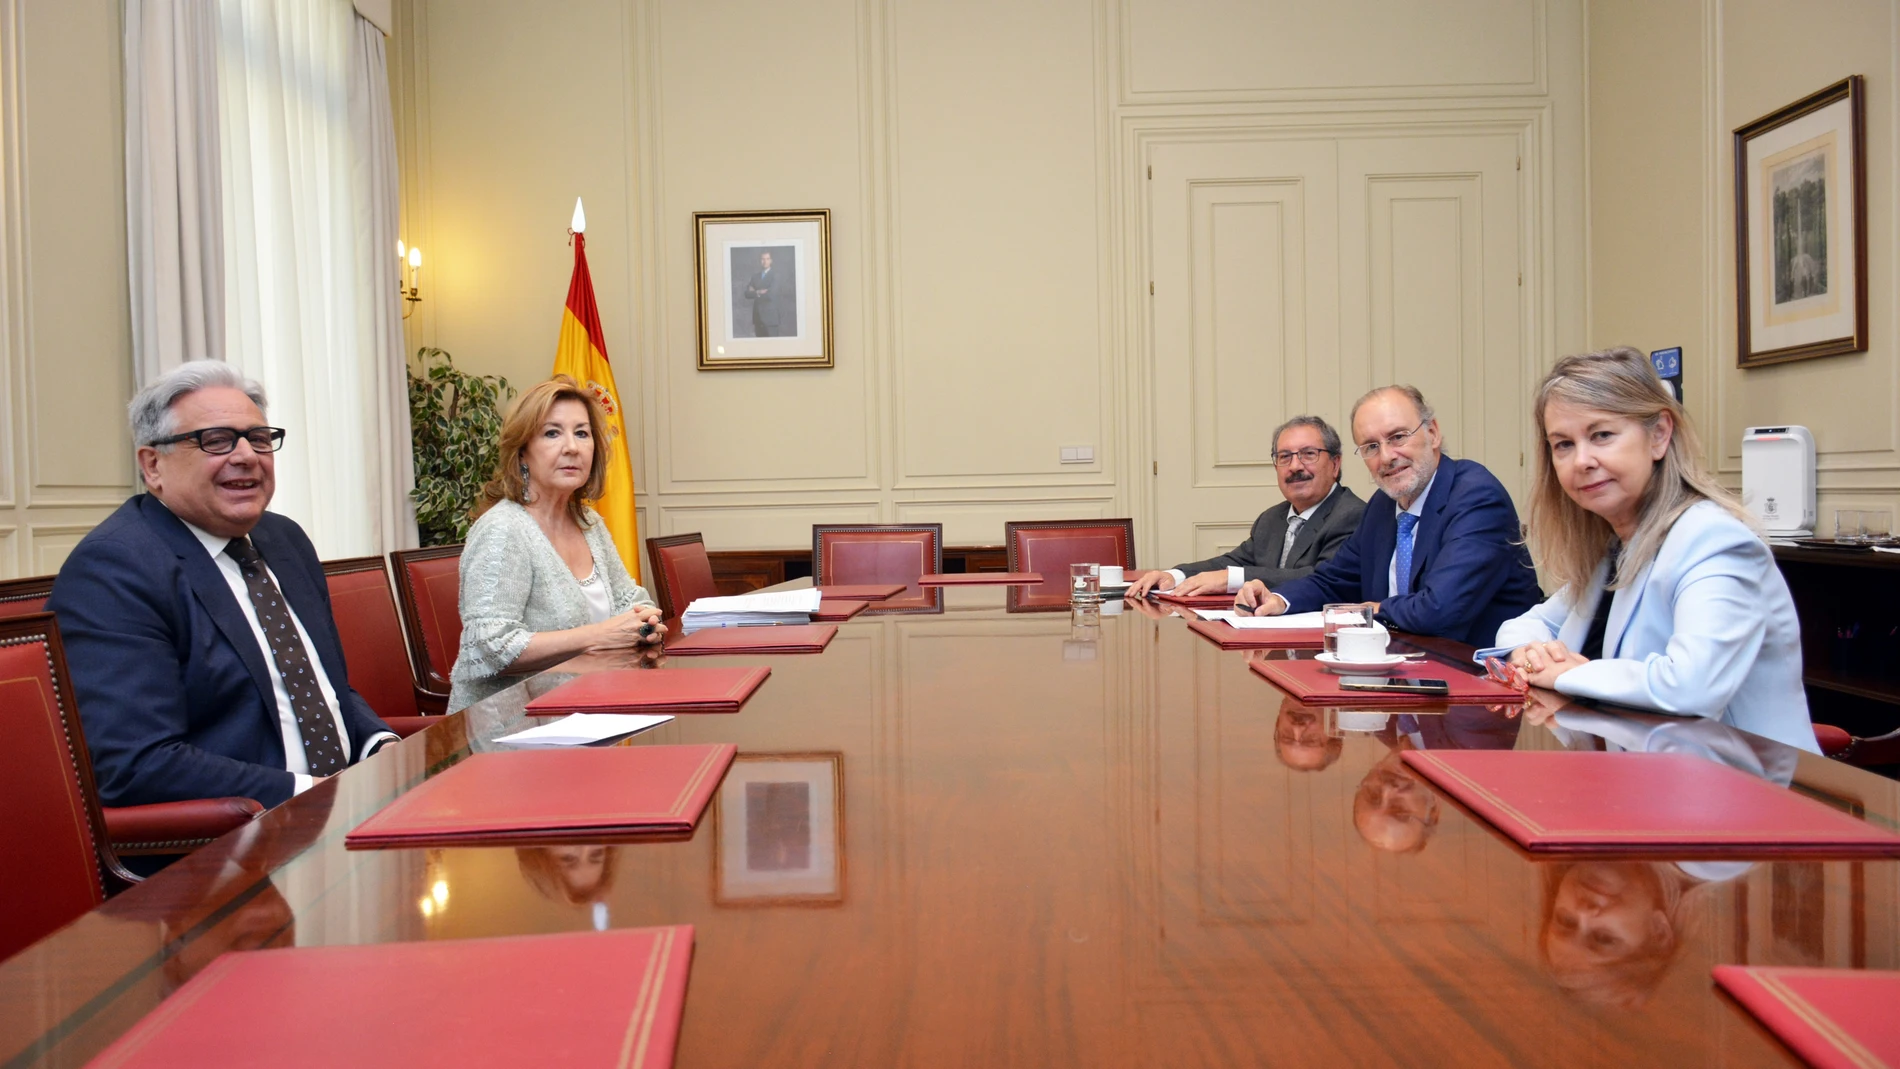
1778	480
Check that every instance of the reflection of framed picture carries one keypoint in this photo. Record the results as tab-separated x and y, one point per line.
779	831
764	289
1801	229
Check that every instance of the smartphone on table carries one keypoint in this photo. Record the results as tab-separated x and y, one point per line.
1395	685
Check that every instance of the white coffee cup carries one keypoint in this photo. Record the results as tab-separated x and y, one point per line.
1111	575
1111	606
1361	644
1356	720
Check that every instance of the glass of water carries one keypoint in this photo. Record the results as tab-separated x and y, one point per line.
1085	584
1343	614
1847	525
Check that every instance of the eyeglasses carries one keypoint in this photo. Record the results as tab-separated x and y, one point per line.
1391	441
218	441
1285	457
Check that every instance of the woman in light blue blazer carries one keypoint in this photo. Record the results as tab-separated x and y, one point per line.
1668	599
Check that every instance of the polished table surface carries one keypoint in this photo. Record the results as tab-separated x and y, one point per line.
991	838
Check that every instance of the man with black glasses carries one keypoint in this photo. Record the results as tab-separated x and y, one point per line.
1439	548
204	657
1290	539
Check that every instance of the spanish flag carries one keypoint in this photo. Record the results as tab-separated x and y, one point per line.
582	354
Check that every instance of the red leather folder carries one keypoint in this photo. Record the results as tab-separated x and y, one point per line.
832	611
862	591
548	795
1832	1018
1195	601
980	579
1236	638
598	998
1309	681
652	690
782	638
1680	805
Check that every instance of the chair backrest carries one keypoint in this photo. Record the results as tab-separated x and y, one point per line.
429	584
849	554
53	838
18	597
682	573
371	630
1048	547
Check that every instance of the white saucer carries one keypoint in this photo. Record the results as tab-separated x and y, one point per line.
1123	585
1334	664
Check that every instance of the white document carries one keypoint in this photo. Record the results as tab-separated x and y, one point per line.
1296	621
771	601
580	729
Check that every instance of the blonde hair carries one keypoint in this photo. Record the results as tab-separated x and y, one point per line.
1629	981
1571	540
524	421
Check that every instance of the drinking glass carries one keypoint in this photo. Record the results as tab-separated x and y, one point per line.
1085	584
1847	525
1876	526
1342	614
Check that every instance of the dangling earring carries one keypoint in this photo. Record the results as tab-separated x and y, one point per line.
527	488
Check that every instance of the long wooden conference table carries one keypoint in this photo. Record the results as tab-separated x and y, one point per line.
989	838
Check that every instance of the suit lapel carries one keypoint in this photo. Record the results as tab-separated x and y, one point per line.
208	585
1623	608
1308	533
1431	526
1374	578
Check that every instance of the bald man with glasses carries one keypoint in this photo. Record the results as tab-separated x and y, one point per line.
1439	547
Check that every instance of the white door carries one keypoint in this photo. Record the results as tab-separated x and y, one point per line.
1291	276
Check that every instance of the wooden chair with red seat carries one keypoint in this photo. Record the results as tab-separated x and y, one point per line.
429	586
55	828
18	597
1048	547
682	573
854	553
371	632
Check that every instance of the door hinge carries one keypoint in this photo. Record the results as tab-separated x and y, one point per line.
1151	171
1157	467
1520	458
1520	163
1520	278
1151	289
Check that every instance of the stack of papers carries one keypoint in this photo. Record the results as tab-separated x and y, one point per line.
1299	621
583	728
751	610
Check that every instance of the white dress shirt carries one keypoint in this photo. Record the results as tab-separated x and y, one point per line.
294	760
1237	575
1417	509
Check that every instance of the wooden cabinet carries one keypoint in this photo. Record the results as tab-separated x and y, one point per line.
1849	605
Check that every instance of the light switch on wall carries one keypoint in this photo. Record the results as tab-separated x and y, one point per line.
1078	454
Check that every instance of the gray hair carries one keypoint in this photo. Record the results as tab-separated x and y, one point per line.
1327	435
1425	413
150	411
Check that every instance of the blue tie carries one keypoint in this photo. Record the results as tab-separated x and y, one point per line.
1402	582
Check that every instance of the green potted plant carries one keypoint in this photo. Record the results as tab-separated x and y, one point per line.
455	419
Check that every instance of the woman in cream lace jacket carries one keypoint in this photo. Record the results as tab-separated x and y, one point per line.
541	580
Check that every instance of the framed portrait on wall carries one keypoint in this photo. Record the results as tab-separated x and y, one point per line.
1801	229
764	289
779	831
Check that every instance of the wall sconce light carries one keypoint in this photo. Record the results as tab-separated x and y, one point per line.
409	289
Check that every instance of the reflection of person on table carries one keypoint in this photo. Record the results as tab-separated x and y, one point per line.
1290	539
1611	929
576	875
1667	599
759	292
1394	809
1438	547
1300	739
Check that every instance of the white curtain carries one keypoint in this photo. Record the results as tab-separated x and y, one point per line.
308	212
373	132
174	226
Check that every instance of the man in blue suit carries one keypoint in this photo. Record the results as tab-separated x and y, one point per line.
1438	548
197	625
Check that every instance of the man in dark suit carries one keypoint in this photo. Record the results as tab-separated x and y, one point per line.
204	657
1320	512
759	290
1438	549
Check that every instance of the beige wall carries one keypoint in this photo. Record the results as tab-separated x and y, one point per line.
65	461
1669	83
983	165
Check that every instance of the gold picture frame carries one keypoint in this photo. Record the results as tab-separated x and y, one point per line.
1801	229
763	280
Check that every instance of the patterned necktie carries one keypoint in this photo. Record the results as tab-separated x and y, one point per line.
1402	581
1293	525
322	750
